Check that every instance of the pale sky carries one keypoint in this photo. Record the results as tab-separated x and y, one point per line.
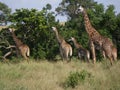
39	4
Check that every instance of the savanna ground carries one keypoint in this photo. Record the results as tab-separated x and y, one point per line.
45	75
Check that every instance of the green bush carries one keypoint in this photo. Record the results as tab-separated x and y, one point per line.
76	77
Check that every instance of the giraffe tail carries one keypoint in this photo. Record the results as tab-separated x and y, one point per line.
28	51
70	51
88	54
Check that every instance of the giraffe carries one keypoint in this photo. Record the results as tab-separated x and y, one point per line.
95	38
64	47
113	48
114	51
23	49
82	52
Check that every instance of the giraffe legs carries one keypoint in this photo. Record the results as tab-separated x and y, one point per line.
61	53
114	53
103	53
108	52
66	52
88	56
110	58
24	50
24	55
92	47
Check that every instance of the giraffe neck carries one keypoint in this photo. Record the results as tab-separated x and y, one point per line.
17	41
76	44
59	38
89	28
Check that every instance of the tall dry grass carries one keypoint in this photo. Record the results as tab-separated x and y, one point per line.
46	75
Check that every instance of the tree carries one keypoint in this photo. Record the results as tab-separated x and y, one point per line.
7	47
4	12
116	34
33	28
68	7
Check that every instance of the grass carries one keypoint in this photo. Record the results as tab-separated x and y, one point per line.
44	75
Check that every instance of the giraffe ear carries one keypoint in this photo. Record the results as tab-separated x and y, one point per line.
81	8
71	38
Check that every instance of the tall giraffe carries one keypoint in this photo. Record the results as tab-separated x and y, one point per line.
82	52
23	49
65	48
95	38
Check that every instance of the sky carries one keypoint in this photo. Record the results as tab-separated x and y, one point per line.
39	4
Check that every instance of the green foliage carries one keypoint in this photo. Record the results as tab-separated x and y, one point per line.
68	7
5	8
76	77
116	34
34	29
4	12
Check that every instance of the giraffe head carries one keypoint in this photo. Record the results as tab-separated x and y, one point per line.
71	39
54	28
79	10
11	29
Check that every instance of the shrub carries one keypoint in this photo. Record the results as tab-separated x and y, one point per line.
76	77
